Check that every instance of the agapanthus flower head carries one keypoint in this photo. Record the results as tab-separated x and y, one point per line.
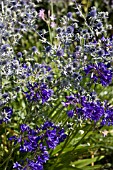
37	92
52	139
70	113
69	100
40	139
47	124
108	117
91	110
99	73
16	165
85	108
24	128
35	165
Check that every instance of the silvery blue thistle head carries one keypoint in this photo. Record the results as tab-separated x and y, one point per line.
5	114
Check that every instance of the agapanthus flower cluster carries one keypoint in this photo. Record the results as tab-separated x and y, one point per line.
108	115
37	92
38	142
99	72
83	108
90	108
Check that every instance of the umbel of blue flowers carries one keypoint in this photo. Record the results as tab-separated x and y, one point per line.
89	109
37	142
36	92
99	72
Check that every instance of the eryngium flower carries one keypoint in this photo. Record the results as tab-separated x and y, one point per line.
60	52
69	14
99	73
5	114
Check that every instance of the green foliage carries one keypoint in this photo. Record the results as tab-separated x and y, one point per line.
86	148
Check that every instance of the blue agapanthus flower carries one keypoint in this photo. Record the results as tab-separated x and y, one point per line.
99	73
70	113
36	92
38	140
84	108
91	110
108	117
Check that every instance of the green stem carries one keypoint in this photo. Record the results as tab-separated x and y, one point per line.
49	33
8	158
56	161
63	147
82	138
54	109
68	140
51	7
73	135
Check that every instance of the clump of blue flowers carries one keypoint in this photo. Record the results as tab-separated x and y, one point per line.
88	107
38	92
100	72
38	141
35	78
